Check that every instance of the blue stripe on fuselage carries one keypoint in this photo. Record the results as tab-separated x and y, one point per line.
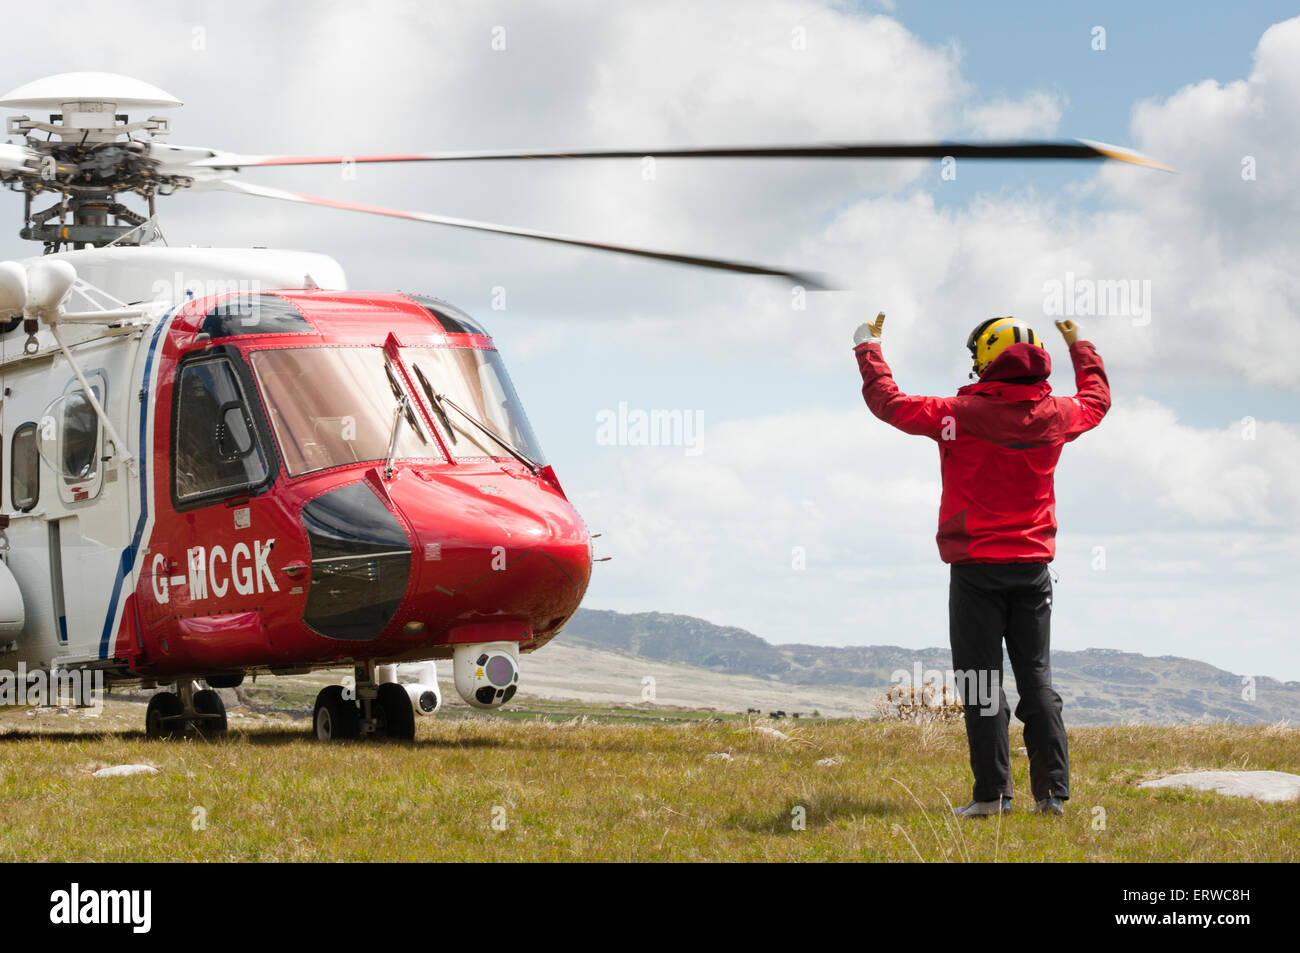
128	555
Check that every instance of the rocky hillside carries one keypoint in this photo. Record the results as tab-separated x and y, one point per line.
1099	686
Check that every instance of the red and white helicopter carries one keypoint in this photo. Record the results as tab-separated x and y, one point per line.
218	462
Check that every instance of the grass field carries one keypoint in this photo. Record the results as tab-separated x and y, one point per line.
622	786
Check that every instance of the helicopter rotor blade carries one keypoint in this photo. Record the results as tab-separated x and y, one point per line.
1079	149
808	280
18	158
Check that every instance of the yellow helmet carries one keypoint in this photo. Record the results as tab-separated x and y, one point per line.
994	336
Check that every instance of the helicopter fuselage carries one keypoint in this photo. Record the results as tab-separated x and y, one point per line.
319	478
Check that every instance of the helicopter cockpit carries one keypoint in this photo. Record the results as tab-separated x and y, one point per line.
335	405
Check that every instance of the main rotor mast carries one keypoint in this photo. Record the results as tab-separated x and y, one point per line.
86	159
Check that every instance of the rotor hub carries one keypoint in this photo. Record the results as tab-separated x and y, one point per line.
87	157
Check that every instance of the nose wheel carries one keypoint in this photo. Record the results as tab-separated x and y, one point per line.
175	714
164	718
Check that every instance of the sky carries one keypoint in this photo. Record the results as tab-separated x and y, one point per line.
783	506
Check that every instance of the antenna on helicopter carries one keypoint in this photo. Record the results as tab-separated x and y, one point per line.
39	292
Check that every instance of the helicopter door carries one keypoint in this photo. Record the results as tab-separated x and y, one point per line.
216	576
87	525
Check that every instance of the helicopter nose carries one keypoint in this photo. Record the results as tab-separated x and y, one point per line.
492	548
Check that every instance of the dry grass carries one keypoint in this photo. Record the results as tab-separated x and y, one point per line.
584	789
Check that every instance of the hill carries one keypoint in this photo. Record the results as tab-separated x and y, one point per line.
1099	686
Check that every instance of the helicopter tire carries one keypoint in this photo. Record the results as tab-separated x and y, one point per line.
160	718
208	702
335	718
398	717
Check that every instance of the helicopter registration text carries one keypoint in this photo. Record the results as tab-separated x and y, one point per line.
211	571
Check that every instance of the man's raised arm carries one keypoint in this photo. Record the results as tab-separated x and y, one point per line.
1092	388
922	416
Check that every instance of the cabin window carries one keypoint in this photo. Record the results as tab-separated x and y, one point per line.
254	314
452	319
217	451
80	437
70	440
25	471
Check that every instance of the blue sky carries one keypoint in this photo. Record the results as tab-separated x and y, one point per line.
1152	49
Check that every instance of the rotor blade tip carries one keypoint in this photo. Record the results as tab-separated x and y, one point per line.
1127	155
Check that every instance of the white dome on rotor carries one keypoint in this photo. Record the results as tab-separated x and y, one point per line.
53	92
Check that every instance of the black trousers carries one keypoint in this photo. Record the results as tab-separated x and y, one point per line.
989	602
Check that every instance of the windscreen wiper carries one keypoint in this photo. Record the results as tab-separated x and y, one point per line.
510	448
403	408
436	401
401	412
405	404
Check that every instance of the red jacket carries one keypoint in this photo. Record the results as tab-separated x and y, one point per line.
999	440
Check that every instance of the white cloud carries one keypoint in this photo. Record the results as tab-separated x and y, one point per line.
1037	113
1241	475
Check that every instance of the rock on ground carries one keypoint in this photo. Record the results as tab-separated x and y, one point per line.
1270	786
125	770
769	732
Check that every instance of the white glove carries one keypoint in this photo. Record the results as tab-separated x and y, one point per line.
870	333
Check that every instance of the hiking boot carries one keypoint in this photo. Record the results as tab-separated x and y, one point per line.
984	808
1050	805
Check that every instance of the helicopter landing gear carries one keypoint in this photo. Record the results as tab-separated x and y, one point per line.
173	714
382	711
164	716
212	709
394	715
336	716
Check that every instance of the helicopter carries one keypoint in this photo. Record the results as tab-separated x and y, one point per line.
220	463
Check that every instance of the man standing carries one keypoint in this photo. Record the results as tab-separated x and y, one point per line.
999	440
